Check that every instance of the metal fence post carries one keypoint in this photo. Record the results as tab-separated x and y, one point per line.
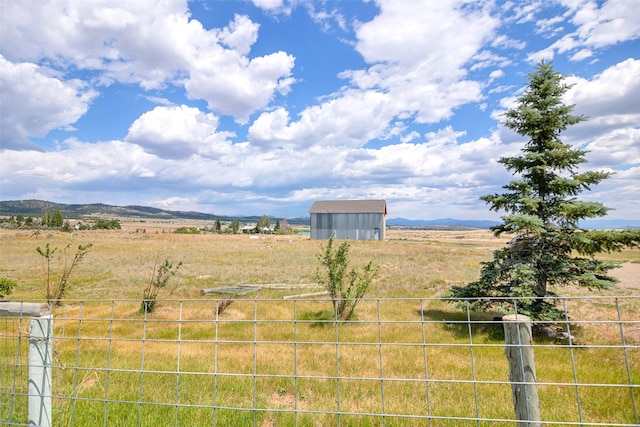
40	348
522	369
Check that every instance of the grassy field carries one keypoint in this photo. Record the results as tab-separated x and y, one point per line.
286	362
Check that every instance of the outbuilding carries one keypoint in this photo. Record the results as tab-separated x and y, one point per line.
348	219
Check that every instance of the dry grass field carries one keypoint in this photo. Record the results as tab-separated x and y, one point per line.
277	360
413	263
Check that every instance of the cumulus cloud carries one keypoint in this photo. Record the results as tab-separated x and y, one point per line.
151	44
406	32
350	120
416	75
418	59
58	103
609	99
179	132
239	87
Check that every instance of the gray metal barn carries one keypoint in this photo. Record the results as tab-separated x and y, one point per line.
348	219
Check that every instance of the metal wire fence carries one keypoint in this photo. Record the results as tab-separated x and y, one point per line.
268	362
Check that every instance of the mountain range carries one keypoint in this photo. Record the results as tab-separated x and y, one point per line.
36	208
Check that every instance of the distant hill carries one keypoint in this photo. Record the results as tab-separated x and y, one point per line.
36	208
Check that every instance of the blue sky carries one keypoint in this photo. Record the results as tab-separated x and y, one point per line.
262	107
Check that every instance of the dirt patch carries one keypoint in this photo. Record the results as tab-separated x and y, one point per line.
280	400
629	276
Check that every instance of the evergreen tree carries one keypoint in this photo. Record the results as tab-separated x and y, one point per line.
56	219
550	249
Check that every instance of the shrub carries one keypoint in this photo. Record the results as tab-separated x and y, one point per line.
346	287
187	230
107	224
6	286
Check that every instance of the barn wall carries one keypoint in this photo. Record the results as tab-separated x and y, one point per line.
354	226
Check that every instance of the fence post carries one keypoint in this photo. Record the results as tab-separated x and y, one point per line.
522	369
40	348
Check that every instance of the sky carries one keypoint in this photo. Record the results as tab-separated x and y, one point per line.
262	107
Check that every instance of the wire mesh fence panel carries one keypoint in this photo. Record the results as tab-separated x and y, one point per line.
14	365
263	362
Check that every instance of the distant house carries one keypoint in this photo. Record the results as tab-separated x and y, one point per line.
348	219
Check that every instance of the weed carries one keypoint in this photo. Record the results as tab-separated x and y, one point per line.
55	292
159	281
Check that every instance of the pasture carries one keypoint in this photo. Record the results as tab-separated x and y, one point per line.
406	358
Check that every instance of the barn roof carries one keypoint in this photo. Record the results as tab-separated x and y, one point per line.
349	206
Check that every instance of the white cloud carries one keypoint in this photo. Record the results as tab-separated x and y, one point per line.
79	166
58	103
611	191
504	42
179	132
239	86
544	54
596	26
611	23
417	75
274	6
350	120
616	90
581	54
268	4
326	18
524	11
239	35
619	147
151	44
418	56
496	74
609	100
137	42
407	33
550	27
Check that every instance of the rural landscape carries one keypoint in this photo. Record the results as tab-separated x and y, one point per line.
287	361
125	301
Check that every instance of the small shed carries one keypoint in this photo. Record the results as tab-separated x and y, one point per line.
348	219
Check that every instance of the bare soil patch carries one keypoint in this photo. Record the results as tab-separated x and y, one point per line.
629	276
